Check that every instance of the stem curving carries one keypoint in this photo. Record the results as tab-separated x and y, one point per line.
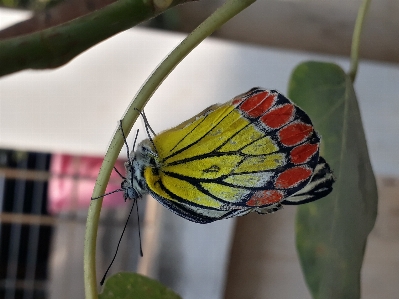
217	19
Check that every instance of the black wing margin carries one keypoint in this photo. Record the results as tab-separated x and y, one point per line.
320	185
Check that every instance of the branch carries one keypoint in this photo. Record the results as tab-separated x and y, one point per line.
55	46
56	15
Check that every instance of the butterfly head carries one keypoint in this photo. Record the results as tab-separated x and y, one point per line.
134	185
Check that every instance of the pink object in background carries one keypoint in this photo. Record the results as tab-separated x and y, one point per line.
72	182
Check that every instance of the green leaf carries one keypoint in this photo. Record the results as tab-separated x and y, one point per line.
135	286
332	232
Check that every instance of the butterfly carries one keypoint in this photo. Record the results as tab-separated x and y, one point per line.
254	153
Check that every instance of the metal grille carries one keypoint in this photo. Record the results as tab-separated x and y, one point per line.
25	229
41	256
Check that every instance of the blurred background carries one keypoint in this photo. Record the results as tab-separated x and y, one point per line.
55	126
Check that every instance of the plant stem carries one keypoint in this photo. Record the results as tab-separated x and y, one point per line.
217	19
356	38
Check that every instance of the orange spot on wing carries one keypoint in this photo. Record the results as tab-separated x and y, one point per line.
295	133
292	177
265	197
303	153
278	117
256	105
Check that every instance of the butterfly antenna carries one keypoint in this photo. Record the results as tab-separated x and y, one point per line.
127	145
147	124
119	243
148	128
124	140
135	138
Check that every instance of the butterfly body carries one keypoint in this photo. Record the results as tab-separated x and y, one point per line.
253	153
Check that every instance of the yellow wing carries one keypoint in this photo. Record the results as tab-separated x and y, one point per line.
214	161
253	153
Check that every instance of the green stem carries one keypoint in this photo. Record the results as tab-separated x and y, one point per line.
55	46
217	19
356	38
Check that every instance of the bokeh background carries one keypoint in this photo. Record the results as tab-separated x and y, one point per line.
55	126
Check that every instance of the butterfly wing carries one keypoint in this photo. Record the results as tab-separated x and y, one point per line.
319	186
248	154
